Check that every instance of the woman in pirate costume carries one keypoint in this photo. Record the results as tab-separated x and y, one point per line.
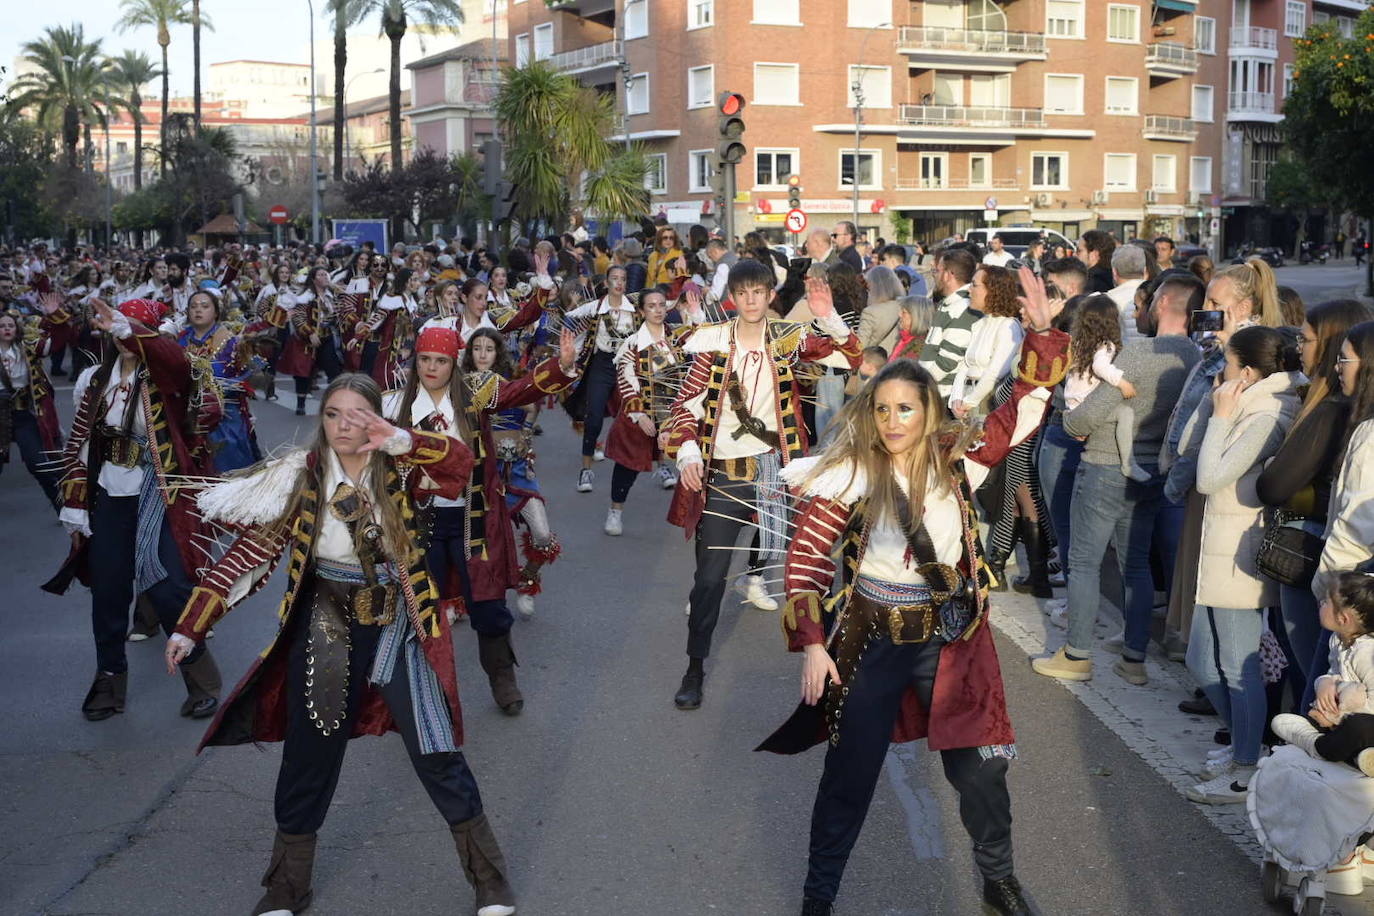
28	416
471	550
141	417
477	312
311	336
392	327
362	647
233	443
272	320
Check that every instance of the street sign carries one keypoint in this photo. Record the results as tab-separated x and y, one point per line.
796	221
277	214
990	204
1215	226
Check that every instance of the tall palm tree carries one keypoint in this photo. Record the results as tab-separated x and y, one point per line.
161	15
129	73
67	85
396	16
341	10
198	21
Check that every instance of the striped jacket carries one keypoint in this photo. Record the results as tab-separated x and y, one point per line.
948	338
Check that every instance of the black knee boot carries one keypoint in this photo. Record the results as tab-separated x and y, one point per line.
1037	579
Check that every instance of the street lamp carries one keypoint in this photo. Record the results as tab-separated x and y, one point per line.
858	89
314	151
345	101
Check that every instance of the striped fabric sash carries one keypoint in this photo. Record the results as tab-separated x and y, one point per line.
432	722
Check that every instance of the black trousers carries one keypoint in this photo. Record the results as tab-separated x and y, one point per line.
114	528
715	541
41	466
446	552
370	350
328	358
853	764
311	761
1344	742
622	478
600	383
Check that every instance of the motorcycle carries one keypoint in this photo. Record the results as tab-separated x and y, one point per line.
1311	251
1271	256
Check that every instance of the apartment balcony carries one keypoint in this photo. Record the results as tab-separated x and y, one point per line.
1254	42
1351	6
1167	127
965	116
932	47
956	184
1252	106
1170	60
592	57
584	8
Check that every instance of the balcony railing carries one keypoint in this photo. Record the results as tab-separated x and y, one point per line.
1254	39
1170	54
1250	103
970	41
962	116
1168	127
608	52
956	184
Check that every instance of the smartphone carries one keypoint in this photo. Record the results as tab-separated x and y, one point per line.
1206	323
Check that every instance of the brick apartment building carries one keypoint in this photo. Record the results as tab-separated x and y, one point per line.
1137	116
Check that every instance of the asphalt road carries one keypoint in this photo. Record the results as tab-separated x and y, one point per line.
606	799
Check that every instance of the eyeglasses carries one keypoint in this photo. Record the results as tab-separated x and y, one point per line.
1347	360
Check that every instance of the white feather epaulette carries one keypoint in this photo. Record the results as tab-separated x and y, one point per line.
258	498
709	338
844	483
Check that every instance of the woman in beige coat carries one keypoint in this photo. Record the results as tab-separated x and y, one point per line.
1241	427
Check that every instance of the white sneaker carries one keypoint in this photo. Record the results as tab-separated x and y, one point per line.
1226	789
613	526
1216	766
1059	612
584	480
1347	878
755	593
599	454
1297	731
666	475
524	604
497	909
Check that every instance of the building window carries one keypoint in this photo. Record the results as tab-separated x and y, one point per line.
1049	171
876	83
1204	102
869	170
121	147
1346	26
949	89
701	86
1122	93
637	94
1205	34
1064	93
1295	18
1263	156
656	178
701	170
934	170
701	13
636	18
1200	174
865	14
1118	172
777	84
980	170
772	167
1288	71
1064	19
989	90
1123	23
777	12
543	41
1164	176
522	50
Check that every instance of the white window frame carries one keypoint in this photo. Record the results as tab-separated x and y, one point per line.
542	29
1130	184
710	98
1079	31
524	50
957	86
884	80
1063	170
794	4
987	169
641	21
773	151
997	81
877	155
662	170
1211	107
698	10
1288	76
864	15
1155	162
1118	7
1192	174
1073	76
693	156
758	98
1211	32
943	160
629	94
1294	18
1135	96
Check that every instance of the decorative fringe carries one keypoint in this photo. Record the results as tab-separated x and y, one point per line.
257	498
843	483
536	557
455	607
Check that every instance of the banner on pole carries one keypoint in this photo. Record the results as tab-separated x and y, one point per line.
356	231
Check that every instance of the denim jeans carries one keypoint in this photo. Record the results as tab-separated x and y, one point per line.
1058	460
1305	634
1110	508
829	400
1224	658
1168	529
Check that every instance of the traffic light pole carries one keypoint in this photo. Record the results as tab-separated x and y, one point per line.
727	212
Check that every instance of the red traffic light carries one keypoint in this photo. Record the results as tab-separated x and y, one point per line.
730	103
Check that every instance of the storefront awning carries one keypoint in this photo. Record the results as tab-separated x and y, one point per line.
1178	6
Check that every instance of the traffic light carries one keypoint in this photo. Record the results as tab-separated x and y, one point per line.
794	192
503	202
730	127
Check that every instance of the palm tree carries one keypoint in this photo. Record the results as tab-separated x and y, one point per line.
67	85
162	15
341	10
395	19
129	73
198	21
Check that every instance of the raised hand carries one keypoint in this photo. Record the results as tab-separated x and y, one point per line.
541	264
1035	301
377	429
102	316
567	351
819	298
693	297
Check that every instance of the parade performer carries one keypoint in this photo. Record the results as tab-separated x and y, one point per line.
392	328
355	308
141	419
273	320
305	348
361	646
476	313
471	550
233	443
733	426
28	416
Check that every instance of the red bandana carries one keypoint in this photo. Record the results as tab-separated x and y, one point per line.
443	341
145	311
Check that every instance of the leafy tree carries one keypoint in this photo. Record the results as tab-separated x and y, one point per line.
430	188
129	73
201	173
1290	188
26	151
161	15
67	86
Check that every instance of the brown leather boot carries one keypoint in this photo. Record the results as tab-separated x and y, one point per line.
106	696
484	866
498	661
202	687
288	874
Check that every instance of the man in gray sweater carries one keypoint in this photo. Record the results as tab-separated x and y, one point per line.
1109	508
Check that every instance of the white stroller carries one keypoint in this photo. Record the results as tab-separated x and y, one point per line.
1309	815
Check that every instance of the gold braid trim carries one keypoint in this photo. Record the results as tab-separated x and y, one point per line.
1030	371
801	605
485	388
786	337
429	448
202	608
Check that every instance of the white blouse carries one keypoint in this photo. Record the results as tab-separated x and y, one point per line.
885	557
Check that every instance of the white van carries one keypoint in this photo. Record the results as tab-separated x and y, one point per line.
1016	238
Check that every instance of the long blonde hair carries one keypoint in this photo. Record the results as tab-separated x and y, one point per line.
1255	280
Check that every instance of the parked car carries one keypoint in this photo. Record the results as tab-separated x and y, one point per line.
1016	239
1185	252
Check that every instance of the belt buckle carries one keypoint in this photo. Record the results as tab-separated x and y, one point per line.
896	623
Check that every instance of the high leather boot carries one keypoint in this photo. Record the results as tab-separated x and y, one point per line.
288	875
498	661
1037	580
484	866
106	696
203	687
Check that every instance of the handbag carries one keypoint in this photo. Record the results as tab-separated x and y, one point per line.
1289	553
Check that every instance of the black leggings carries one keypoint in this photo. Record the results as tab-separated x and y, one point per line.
1344	742
622	478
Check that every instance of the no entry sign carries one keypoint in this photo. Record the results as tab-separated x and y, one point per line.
277	214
